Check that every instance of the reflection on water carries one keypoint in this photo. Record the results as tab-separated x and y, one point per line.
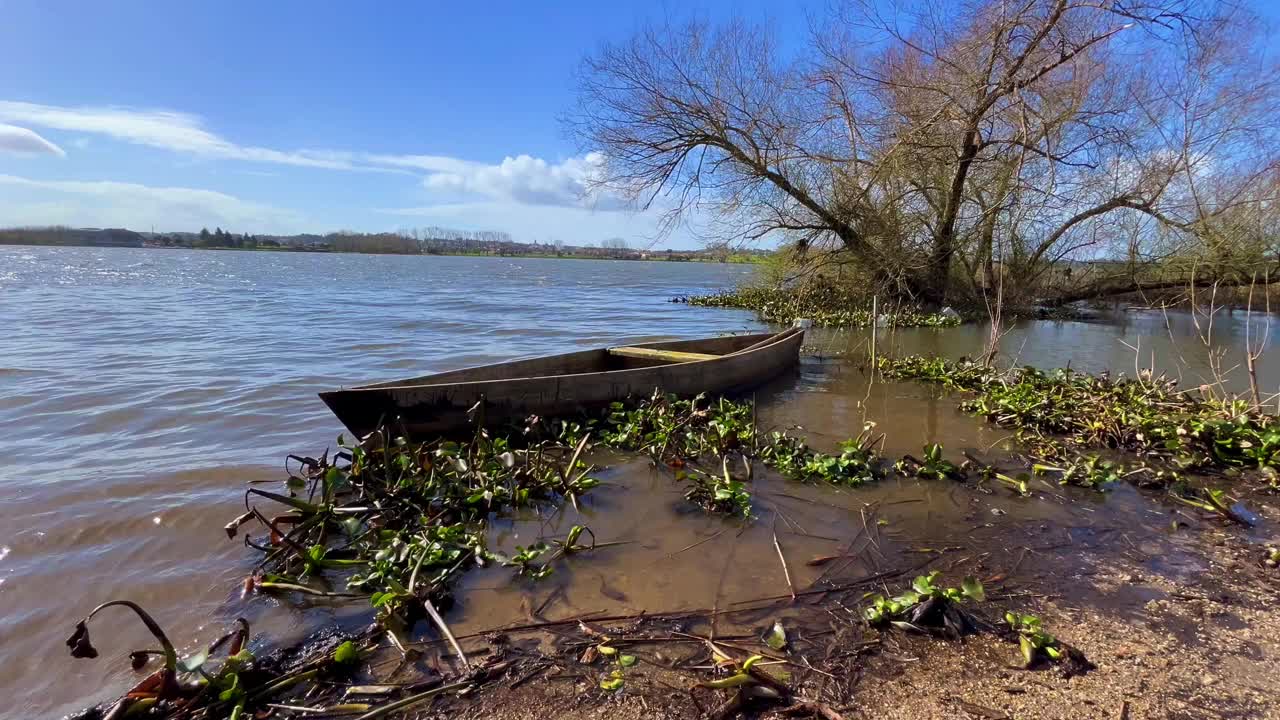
140	390
1120	340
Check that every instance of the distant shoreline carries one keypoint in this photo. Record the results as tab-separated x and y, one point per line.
737	259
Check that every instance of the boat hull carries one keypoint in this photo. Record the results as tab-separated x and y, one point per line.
559	385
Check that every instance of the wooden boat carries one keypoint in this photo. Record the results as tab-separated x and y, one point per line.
565	384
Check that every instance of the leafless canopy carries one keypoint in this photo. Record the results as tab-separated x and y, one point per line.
946	142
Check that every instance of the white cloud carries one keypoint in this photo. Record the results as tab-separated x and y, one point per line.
21	140
164	129
108	203
522	178
531	181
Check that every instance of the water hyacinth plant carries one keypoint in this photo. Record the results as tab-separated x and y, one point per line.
933	467
857	462
178	680
678	433
400	520
1033	642
825	304
670	429
1052	412
927	607
1090	471
1039	648
717	493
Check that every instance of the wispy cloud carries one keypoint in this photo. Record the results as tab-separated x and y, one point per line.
16	139
164	129
520	178
110	203
429	163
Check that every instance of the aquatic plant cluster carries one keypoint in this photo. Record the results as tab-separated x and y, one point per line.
396	522
825	304
1058	414
404	519
857	462
1054	410
677	433
927	607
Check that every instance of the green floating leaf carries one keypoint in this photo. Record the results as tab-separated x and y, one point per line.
346	654
333	476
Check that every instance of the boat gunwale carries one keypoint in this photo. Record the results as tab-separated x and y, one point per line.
778	337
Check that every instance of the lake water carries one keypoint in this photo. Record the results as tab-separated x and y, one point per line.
140	390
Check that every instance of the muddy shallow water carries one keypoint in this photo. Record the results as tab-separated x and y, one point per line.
673	557
678	558
140	390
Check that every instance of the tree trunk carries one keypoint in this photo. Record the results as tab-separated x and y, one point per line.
938	275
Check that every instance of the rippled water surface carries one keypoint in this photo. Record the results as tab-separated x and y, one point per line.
141	389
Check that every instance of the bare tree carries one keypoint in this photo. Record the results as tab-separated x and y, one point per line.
911	150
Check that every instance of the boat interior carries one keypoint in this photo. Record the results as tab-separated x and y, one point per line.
624	357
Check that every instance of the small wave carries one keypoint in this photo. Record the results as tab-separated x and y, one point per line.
10	372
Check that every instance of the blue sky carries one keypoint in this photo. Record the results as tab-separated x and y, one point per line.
306	116
286	116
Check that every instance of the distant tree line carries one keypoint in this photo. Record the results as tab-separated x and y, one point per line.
219	238
406	241
61	235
